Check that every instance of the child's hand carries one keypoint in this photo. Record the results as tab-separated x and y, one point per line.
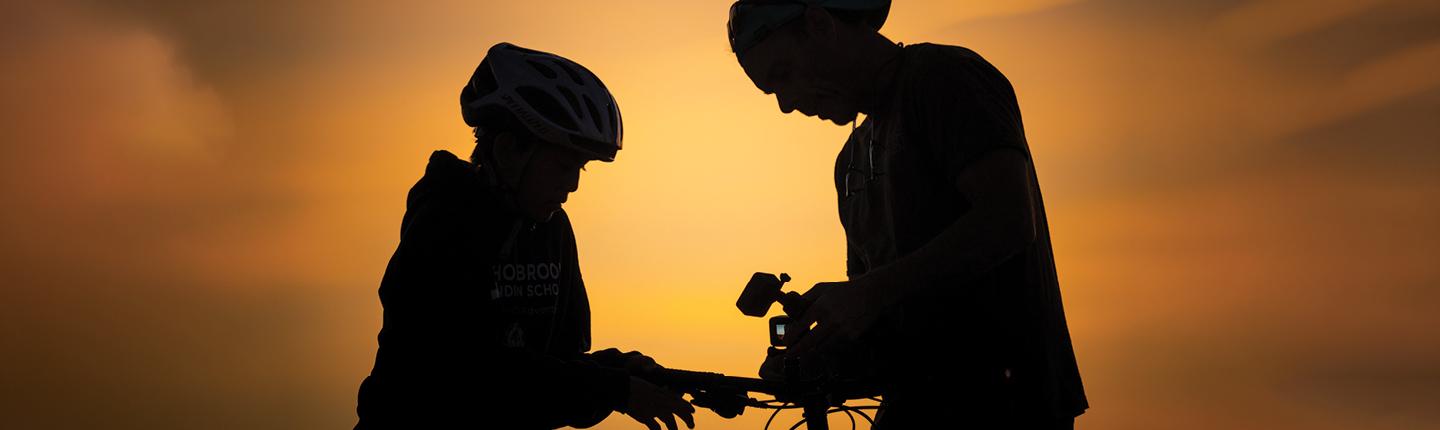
649	403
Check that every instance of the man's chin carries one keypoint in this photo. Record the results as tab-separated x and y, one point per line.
839	120
842	120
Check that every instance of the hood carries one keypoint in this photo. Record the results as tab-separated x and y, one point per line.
445	174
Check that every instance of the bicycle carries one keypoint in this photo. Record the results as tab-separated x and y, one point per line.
728	396
817	397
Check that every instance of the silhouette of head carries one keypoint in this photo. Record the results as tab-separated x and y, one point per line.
537	176
538	119
804	52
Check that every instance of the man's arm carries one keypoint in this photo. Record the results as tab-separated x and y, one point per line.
999	225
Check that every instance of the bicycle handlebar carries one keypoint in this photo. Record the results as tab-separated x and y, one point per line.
727	395
685	380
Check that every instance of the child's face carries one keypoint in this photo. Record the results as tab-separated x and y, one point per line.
552	174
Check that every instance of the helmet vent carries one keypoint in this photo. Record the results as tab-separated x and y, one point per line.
575	77
594	114
543	69
484	80
570	97
546	106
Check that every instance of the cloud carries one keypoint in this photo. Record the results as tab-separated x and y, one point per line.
1345	44
79	80
1159	90
113	161
100	114
1264	22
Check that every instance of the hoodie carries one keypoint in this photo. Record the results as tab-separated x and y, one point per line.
486	320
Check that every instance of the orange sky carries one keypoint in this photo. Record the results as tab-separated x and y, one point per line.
200	198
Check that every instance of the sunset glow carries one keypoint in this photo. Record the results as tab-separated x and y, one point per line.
200	198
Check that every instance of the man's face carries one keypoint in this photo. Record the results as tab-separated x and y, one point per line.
800	73
552	174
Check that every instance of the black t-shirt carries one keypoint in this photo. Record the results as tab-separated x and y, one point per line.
993	341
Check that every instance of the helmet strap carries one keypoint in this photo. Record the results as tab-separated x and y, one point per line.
506	178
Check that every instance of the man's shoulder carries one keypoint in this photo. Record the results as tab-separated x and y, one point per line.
943	74
940	49
934	55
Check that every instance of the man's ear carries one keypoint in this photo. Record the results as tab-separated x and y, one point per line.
819	25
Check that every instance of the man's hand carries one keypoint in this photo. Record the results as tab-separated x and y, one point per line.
840	312
773	368
819	290
649	403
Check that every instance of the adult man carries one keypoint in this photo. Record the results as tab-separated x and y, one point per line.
486	315
951	275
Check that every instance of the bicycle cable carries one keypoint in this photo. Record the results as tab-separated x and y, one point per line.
772	416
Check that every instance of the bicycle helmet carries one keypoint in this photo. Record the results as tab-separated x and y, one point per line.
557	100
752	20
